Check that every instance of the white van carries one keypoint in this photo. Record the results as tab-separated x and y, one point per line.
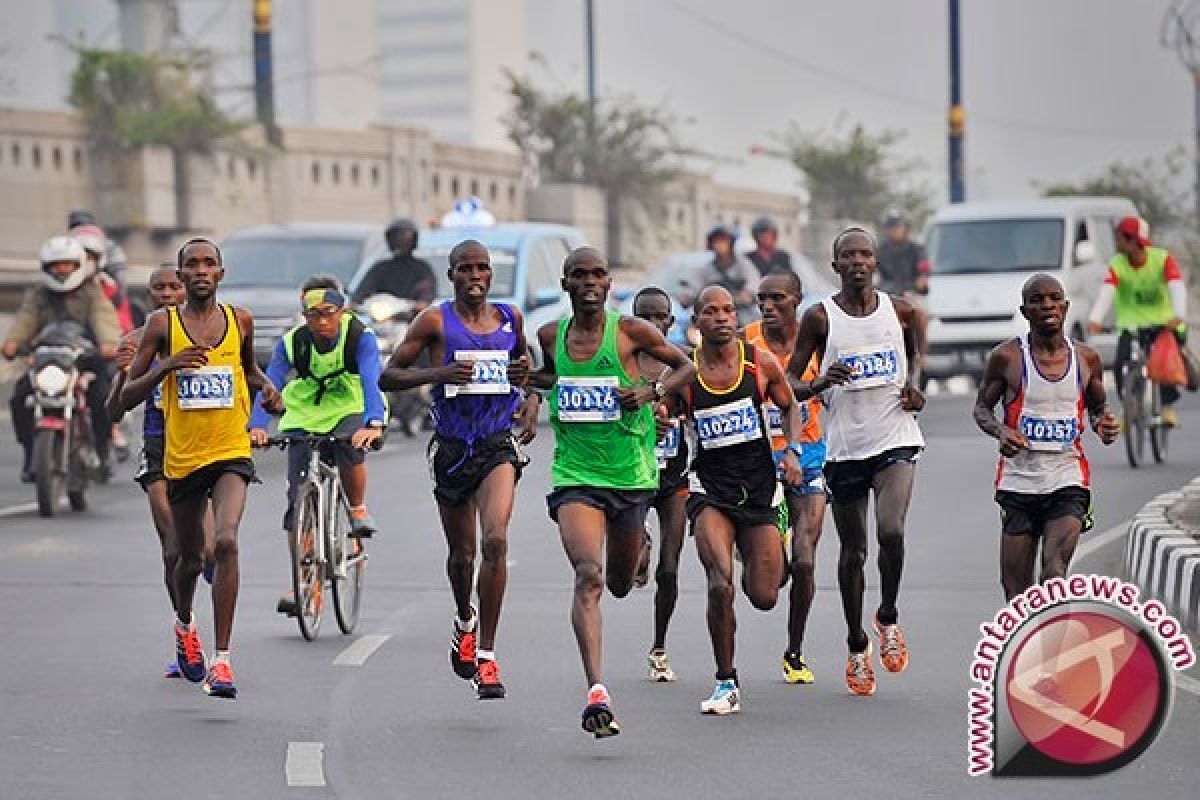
980	254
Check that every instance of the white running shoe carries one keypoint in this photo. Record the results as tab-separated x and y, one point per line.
726	699
660	667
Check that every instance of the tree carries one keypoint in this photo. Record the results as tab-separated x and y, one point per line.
628	150
1147	183
853	177
131	100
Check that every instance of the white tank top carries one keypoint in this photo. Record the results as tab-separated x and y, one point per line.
1050	414
865	417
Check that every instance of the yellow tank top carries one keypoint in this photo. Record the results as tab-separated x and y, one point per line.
206	409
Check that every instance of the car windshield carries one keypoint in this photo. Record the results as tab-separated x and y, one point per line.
1003	245
504	269
285	262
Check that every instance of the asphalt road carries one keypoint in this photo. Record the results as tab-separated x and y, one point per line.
86	631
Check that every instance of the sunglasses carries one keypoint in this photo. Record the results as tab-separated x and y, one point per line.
326	312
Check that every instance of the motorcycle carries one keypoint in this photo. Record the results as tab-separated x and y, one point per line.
390	317
64	453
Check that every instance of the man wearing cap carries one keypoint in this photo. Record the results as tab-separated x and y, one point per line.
766	256
335	391
1149	293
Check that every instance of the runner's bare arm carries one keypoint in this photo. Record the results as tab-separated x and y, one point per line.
526	415
545	377
125	353
142	376
1103	420
911	398
400	373
779	391
992	389
648	339
810	339
256	381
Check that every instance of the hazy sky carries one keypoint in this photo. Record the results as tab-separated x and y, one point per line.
1054	89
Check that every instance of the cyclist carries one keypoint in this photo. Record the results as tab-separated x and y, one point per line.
604	472
1042	481
65	293
480	354
335	391
1147	286
164	289
203	354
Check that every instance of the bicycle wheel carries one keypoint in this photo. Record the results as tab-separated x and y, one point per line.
349	558
1158	431
1133	408
306	569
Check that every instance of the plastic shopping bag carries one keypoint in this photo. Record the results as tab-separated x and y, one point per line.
1166	362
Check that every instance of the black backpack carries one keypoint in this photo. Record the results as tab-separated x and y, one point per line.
302	345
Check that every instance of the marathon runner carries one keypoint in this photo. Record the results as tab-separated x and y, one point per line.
670	501
1042	481
735	497
779	296
203	355
605	472
866	341
481	356
163	289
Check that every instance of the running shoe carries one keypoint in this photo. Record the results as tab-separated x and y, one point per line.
893	652
171	670
642	576
598	718
726	699
219	681
189	653
487	681
362	524
286	604
660	667
1170	417
860	678
795	670
462	649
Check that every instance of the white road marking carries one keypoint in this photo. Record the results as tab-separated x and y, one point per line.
360	650
23	508
1094	541
305	764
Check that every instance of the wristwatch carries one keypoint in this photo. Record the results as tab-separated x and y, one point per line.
378	424
660	390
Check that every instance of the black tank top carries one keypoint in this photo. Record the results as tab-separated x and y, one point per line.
733	463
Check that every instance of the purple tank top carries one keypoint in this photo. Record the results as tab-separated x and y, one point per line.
476	416
152	415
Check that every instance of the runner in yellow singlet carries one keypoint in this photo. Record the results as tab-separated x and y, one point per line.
205	363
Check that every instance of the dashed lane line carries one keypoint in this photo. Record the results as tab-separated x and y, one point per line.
304	765
360	650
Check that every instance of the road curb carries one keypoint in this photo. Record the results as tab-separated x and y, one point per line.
1163	559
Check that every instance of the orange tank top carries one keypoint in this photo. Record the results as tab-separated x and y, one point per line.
810	409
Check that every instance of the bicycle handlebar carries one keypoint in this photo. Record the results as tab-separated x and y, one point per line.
282	441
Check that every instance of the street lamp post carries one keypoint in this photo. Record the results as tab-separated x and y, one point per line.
957	117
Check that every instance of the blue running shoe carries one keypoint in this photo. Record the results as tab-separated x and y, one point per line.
171	670
598	718
189	653
219	681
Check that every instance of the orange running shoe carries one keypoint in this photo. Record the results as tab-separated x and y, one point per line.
893	652
189	653
219	681
860	678
462	649
487	681
598	718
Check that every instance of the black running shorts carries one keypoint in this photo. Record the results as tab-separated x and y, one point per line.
203	479
625	509
1024	514
849	481
457	468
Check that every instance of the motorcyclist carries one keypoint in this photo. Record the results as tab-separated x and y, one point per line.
902	268
403	275
95	245
766	256
731	270
65	293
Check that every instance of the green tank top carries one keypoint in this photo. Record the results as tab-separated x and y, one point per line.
1142	299
595	442
343	393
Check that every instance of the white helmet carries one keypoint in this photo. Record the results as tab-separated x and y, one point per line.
93	240
64	248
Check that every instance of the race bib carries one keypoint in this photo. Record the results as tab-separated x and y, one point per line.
156	397
668	448
587	399
774	420
1049	435
490	375
204	388
871	367
728	424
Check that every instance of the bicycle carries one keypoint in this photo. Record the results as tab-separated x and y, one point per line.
321	547
1141	403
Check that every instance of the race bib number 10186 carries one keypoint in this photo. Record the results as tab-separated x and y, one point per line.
871	366
587	399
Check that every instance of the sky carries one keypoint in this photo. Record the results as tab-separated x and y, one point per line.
1055	90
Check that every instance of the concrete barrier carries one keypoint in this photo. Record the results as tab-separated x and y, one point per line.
1164	559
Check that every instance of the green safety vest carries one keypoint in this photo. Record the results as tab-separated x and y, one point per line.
327	388
1142	299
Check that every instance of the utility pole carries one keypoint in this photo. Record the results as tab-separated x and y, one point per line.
264	82
1181	33
589	32
957	117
